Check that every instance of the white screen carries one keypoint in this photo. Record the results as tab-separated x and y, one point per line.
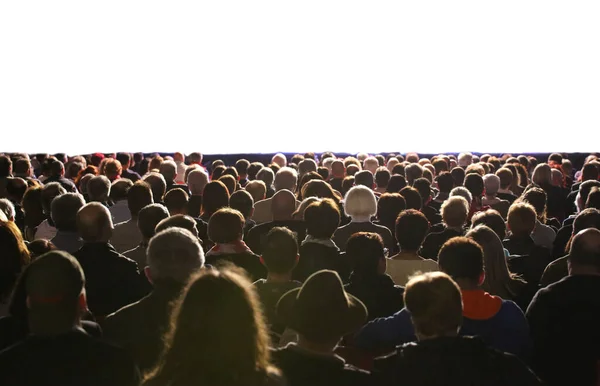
258	76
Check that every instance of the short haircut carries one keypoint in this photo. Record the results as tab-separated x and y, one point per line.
412	197
138	196
593	198
434	301
112	168
169	170
149	217
230	182
226	225
521	218
364	178
586	187
214	197
455	211
241	166
461	191
98	188
174	254
398	169
382	177
124	159
195	157
365	250
412	172
411	228
589	172
64	211
196	180
176	200
474	183
286	178
253	169
257	189
440	166
352	169
231	171
177	221
360	202
7	207
158	185
119	189
217	171
458	174
537	198
21	166
5	166
506	177
423	186
242	201
347	184
49	192
322	218
461	258
389	206
491	182
280	250
445	182
585	252
492	219
323	172
396	183
266	175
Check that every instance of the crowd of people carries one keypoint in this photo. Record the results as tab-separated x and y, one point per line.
396	269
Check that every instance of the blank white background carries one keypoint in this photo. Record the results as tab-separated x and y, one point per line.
263	76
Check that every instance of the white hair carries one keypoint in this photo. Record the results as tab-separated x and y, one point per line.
169	170
7	208
491	182
465	159
455	211
371	164
174	253
360	201
463	192
279	159
327	162
196	181
286	178
391	163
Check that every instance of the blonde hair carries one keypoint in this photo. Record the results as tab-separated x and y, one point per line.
542	175
455	211
360	201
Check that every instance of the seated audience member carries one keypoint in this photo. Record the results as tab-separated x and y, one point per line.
148	218
543	235
228	338
8	209
491	183
412	197
474	183
242	201
364	178
57	174
458	175
506	180
455	211
527	258
98	190
126	235
493	220
558	269
257	189
214	197
499	281
389	207
113	280
230	182
64	216
179	159
371	164
423	187
157	184
225	230
15	189
37	248
174	255
119	209
13	259
412	172
196	181
338	173
46	229
382	179
267	176
440	356
111	168
360	205
564	319
411	228
500	323
127	172
282	205
279	256
445	183
312	361
317	250
253	170
241	166
556	196
368	281
58	351
33	211
279	159
396	184
285	179
176	201
168	169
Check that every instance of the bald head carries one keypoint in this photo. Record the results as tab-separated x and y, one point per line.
94	223
283	204
584	256
279	159
197	180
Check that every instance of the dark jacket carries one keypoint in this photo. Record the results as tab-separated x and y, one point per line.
269	294
378	292
555	271
112	281
258	233
74	358
564	319
452	361
302	368
507	196
434	241
432	214
315	257
194	206
527	259
561	241
247	260
139	328
342	234
64	182
131	175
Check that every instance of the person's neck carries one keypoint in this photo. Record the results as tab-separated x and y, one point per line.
454	228
407	255
366	218
279	277
316	348
580	270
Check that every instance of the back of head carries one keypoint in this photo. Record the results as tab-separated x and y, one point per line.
230	182
54	283
462	259
435	304
112	168
64	211
119	189
286	178
365	251
174	254
589	172
412	172
492	219
94	223
338	170
124	159
196	181
542	175
364	178
455	211
306	166
49	192
195	158
458	174
214	197
389	206
322	218
176	201
587	218
257	189
497	275
474	183
279	159
585	188
217	170
226	226
412	197
382	177
169	170
411	228
521	219
266	175
319	189
537	198
98	188
491	182
593	199
157	184
423	186
241	166
177	221
396	183
242	201
138	196
280	251
371	164
13	258
465	159
148	217
5	166
463	192
57	168
584	255
7	208
283	204
360	202
253	169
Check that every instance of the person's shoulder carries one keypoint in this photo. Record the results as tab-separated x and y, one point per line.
512	367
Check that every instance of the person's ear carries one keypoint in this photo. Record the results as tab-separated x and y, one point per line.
262	261
296	260
251	212
481	279
148	275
